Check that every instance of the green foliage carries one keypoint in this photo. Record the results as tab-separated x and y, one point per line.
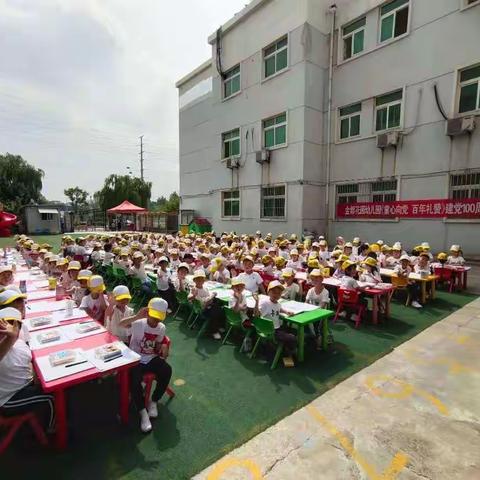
164	205
77	197
118	188
20	182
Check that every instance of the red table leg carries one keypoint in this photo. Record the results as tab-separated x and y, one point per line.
375	308
465	279
61	420
124	395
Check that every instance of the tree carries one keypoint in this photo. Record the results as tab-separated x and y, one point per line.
118	188
77	197
164	205
20	182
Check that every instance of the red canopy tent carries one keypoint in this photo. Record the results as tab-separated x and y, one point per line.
126	208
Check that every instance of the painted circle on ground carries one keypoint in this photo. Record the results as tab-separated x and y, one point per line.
406	390
179	382
221	467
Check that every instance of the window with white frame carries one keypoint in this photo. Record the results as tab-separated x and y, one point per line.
349	121
379	191
469	85
231	144
231	203
388	111
394	19
275	57
47	217
353	38
231	82
275	131
274	201
466	185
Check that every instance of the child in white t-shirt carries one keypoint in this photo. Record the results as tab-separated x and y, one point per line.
253	281
117	310
291	289
221	274
318	295
149	341
95	303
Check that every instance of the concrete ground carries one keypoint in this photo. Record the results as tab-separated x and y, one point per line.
414	414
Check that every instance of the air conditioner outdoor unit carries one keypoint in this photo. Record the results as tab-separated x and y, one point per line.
232	163
389	139
460	126
263	156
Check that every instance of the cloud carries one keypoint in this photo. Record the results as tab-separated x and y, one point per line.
80	80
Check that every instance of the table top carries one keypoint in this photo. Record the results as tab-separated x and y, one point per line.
312	316
387	272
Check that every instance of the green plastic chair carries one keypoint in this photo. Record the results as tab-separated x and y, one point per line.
195	314
119	277
139	297
109	274
266	333
234	319
182	302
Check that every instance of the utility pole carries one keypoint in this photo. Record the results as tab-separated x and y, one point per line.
141	157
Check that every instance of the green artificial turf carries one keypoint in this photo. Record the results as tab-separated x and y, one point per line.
226	400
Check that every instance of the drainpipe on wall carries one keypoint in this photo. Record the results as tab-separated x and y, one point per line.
333	11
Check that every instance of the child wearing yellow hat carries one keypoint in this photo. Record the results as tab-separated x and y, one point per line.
370	273
291	290
95	302
317	295
118	309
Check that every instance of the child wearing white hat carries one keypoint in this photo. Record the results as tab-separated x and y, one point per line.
455	257
118	309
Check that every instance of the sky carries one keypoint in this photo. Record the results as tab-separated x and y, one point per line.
81	80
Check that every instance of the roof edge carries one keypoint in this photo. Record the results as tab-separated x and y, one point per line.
238	17
194	73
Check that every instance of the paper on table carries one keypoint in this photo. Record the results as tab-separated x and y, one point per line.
31	328
51	306
40	295
61	315
129	356
74	334
36	345
297	307
40	283
50	373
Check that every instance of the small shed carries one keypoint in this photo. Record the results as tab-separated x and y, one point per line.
46	219
199	225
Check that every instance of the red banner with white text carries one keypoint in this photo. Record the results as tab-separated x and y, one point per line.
467	208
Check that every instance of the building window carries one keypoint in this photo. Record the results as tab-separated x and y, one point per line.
394	19
469	83
231	203
275	131
381	191
273	202
353	38
275	57
350	121
465	186
388	111
231	82
47	217
231	144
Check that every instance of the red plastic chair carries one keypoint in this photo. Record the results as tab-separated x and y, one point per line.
446	275
13	424
148	379
351	299
266	279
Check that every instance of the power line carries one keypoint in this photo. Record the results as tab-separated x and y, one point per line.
141	157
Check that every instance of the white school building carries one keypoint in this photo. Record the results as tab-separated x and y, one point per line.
304	106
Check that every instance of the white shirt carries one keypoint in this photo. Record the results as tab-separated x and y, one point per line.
242	304
291	292
139	272
369	277
222	277
349	282
270	310
321	299
252	281
145	338
163	278
451	260
94	305
108	257
16	370
112	324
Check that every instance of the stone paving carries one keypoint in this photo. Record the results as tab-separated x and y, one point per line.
414	414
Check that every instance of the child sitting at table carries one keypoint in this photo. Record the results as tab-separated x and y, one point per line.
270	308
69	279
164	284
82	289
220	273
253	280
268	265
455	257
294	261
137	269
180	279
19	393
370	273
211	310
117	310
6	276
349	282
149	341
108	256
95	302
317	295
291	289
238	303
403	271
422	267
123	261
